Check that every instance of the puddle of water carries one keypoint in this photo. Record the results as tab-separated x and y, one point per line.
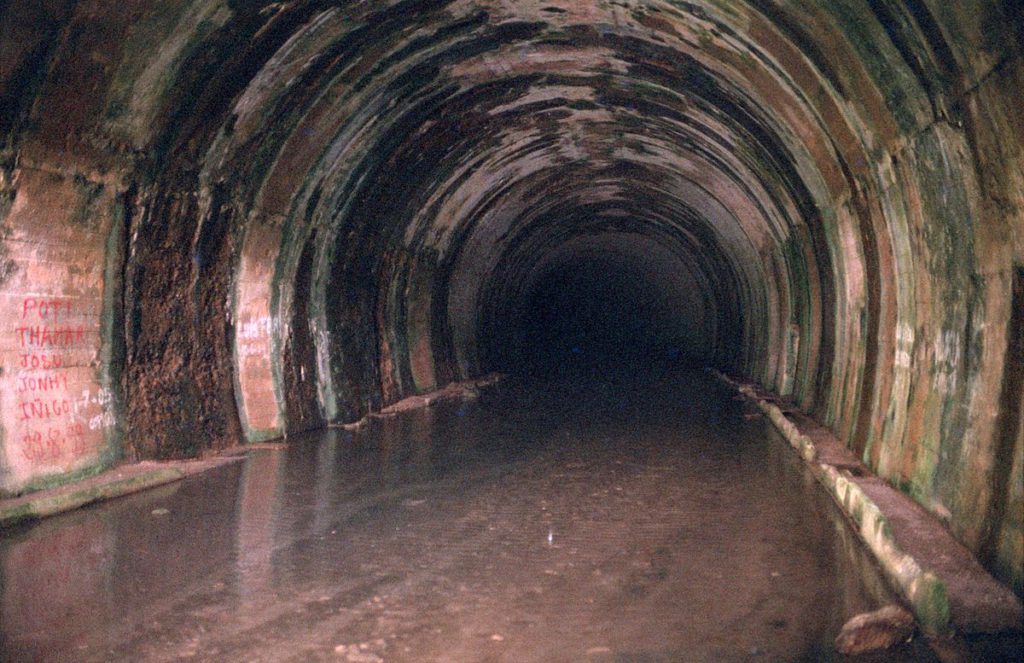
610	522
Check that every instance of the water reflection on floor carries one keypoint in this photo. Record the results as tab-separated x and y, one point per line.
634	519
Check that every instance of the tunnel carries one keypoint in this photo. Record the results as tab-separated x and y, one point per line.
228	222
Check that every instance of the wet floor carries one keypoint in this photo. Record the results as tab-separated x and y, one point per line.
631	519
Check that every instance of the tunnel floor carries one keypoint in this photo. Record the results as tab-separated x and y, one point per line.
563	522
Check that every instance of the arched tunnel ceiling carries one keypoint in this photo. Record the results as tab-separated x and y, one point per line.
492	126
293	213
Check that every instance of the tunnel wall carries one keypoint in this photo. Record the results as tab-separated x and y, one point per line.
234	221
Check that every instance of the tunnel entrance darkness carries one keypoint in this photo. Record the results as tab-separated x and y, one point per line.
589	316
601	313
603	303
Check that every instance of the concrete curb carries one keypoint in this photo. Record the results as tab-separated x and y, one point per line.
49	504
922	589
924	592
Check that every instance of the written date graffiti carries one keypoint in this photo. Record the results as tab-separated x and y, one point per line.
55	444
